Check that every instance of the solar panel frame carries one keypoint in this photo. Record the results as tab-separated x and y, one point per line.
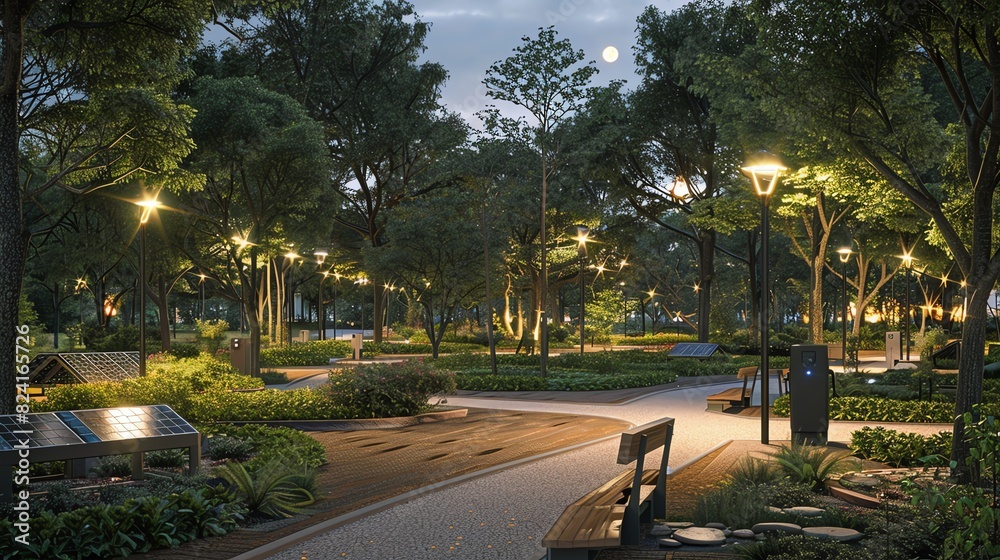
693	350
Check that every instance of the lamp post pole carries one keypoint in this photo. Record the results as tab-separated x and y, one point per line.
763	171
845	255
147	205
581	249
908	263
320	316
336	276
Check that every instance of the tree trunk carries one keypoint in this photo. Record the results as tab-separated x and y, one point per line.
13	234
378	295
969	391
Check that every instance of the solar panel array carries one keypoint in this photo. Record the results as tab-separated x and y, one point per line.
102	366
693	350
47	429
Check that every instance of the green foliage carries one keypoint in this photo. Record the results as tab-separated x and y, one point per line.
877	409
799	547
312	353
275	489
484	380
415	347
273	377
387	390
811	465
268	442
269	404
211	334
112	531
125	339
751	471
171	381
184	350
221	448
736	506
898	449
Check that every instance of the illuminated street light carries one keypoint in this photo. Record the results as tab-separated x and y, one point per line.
764	170
148	205
680	190
582	236
320	259
845	255
908	265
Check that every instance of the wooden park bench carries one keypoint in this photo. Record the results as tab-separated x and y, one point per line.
610	515
736	396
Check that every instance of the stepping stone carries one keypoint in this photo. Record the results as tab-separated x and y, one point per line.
669	543
703	536
727	532
789	528
743	534
839	534
773	509
805	511
661	531
679	524
719	526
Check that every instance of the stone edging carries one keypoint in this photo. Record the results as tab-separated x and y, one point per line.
360	423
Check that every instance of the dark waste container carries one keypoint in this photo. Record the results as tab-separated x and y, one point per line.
810	395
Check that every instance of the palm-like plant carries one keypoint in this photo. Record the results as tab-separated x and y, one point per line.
275	489
812	465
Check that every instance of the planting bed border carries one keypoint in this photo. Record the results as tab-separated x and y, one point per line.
360	423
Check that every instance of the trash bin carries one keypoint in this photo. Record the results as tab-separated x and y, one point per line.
303	335
239	354
893	349
809	393
356	344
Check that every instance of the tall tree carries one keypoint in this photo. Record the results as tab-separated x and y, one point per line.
82	106
264	164
545	78
435	250
895	83
353	65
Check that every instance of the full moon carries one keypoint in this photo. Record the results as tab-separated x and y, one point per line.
610	54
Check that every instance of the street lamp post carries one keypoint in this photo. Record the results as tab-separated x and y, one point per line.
908	263
336	276
845	255
582	233
201	293
362	282
764	170
147	205
290	256
624	312
320	316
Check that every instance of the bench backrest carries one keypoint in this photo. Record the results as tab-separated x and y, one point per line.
657	435
747	372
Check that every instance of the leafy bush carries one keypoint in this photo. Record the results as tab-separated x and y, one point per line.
269	441
811	465
211	334
386	390
118	466
112	531
800	547
225	447
736	506
898	449
275	489
876	409
269	404
751	471
312	353
485	381
273	377
171	381
184	350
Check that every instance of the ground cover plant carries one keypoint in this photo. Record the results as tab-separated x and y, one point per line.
591	371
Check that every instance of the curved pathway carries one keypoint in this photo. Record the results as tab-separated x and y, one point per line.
506	512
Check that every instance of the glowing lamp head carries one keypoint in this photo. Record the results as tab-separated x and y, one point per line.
147	205
763	168
845	254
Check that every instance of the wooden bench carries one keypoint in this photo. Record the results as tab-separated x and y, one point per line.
609	516
735	396
835	352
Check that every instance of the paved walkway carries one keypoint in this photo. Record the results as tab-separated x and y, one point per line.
505	513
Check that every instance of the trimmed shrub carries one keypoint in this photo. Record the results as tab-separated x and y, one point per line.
269	404
898	449
387	390
113	531
312	353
